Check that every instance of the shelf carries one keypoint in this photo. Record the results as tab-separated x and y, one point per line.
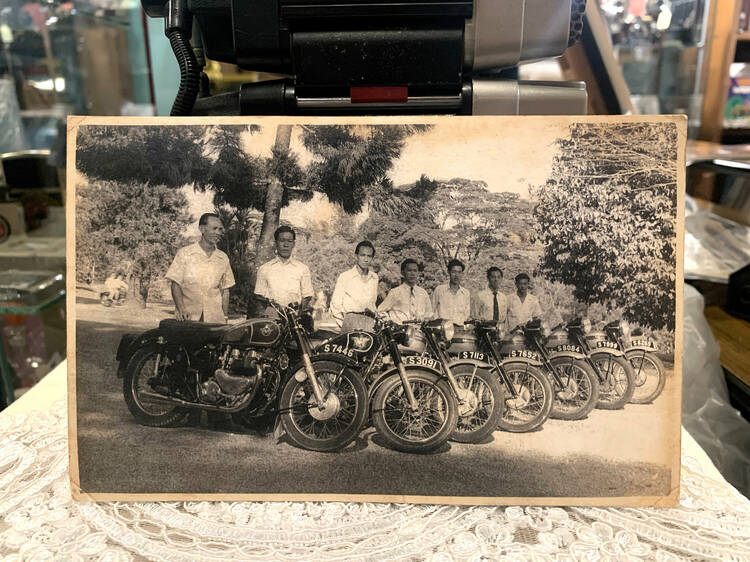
744	36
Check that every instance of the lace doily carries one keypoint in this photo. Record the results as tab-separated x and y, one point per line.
38	521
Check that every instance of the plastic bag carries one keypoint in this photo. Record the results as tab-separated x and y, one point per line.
706	412
11	132
714	246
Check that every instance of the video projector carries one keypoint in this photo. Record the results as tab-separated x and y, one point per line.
373	56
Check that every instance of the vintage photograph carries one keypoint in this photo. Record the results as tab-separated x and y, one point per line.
467	310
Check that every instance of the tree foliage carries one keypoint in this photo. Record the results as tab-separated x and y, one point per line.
350	163
457	219
130	223
169	156
607	217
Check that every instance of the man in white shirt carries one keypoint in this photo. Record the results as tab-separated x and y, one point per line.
490	303
284	279
355	291
407	301
201	276
522	305
451	301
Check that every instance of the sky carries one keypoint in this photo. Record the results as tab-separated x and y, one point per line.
508	155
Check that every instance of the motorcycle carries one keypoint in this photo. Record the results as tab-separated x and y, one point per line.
528	393
413	405
478	392
616	380
648	370
243	370
574	382
106	298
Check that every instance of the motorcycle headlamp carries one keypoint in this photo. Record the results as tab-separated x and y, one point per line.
624	328
586	325
545	329
402	335
447	330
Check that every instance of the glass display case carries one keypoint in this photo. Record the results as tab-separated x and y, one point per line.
661	47
70	57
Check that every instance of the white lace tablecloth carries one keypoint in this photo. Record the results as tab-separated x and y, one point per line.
38	520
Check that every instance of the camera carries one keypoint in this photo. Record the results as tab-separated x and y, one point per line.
373	56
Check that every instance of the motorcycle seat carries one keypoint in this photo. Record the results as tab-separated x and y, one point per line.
190	332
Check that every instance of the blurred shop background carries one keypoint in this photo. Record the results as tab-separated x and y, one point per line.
104	57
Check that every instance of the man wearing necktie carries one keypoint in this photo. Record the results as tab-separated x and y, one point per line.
408	301
490	303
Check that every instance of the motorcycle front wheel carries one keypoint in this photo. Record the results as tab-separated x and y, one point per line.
335	423
649	379
480	403
579	392
616	381
145	369
533	401
415	431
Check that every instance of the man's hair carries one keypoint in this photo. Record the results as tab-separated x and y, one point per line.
364	244
522	276
494	268
406	262
284	228
205	216
456	262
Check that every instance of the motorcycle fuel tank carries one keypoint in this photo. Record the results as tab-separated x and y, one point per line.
464	339
350	344
512	343
257	331
558	338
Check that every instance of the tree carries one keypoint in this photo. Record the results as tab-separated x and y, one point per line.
457	219
129	222
607	217
169	156
349	165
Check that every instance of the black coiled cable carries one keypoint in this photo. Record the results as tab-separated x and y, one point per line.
577	9
189	73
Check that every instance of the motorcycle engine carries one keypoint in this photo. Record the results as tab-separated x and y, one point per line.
238	372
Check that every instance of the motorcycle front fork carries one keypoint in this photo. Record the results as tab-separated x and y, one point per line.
310	371
317	391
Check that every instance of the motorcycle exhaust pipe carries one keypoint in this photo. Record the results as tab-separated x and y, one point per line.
187	404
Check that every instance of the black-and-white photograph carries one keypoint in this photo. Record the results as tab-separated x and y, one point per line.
471	310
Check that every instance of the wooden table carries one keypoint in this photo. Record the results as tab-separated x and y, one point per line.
733	336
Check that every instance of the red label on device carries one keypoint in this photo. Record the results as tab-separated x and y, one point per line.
379	94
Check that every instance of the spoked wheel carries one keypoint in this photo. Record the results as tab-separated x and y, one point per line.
579	392
648	376
531	406
144	377
415	431
337	421
480	403
616	381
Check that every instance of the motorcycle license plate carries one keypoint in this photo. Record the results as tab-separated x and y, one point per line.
475	355
421	361
609	344
338	350
642	343
526	354
573	348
